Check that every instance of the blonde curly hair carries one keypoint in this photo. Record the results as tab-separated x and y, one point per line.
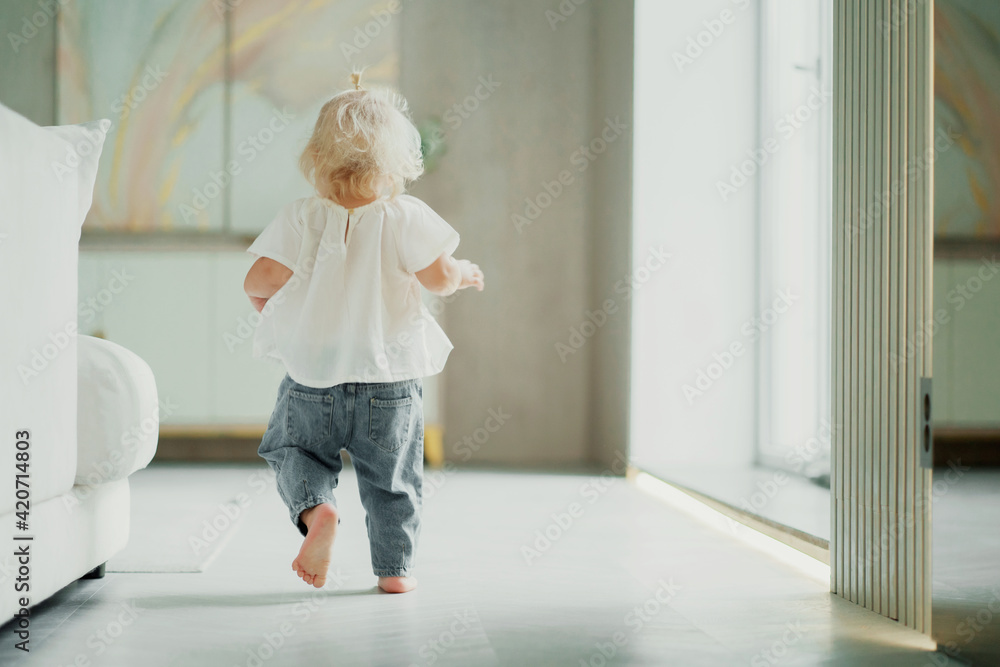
364	145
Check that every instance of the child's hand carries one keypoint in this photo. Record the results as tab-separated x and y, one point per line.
258	303
472	275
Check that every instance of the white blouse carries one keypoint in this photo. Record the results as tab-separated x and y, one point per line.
352	310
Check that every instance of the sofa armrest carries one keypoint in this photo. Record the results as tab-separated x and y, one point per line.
118	412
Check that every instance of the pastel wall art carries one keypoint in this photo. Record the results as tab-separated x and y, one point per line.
967	107
210	101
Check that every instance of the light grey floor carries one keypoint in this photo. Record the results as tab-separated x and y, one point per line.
627	575
966	562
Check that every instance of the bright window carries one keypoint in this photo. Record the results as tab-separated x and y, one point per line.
795	247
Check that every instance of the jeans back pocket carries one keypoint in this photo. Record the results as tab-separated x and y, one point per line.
309	418
391	422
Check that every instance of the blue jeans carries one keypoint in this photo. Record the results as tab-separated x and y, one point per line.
381	427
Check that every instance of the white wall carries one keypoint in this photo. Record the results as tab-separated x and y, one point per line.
185	313
966	343
692	124
558	83
27	69
174	310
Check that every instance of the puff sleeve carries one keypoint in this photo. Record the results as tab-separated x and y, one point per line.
422	235
281	240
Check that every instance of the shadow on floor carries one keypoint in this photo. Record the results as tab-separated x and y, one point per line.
247	600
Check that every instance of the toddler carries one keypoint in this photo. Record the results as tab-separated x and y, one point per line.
337	282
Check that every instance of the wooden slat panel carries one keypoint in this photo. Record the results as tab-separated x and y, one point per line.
854	448
874	332
927	12
897	347
843	154
909	594
904	200
868	158
924	97
851	301
837	316
880	212
918	321
883	124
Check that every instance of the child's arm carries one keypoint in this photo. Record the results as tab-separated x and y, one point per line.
447	275
264	279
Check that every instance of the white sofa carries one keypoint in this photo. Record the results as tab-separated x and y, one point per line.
88	407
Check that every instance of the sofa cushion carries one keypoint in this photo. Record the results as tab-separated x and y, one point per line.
118	416
46	177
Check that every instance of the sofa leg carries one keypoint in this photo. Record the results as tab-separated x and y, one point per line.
96	573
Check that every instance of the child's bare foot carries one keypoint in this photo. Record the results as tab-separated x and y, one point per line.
313	560
397	584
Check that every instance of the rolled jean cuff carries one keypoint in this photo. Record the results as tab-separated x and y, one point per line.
297	510
397	572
